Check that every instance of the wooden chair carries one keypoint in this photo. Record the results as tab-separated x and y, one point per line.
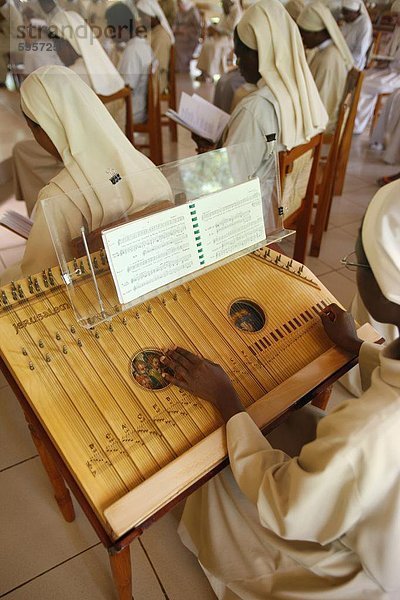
298	176
126	95
354	83
333	168
152	127
169	96
377	109
374	49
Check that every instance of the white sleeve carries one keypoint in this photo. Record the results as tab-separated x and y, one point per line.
130	67
312	497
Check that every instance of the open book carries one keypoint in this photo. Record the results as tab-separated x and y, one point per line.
200	116
17	223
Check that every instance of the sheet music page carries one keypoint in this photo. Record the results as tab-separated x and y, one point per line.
146	254
157	250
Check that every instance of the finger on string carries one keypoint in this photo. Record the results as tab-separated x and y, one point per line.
328	315
180	384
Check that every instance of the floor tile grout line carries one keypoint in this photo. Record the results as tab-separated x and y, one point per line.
21	462
154	570
63	562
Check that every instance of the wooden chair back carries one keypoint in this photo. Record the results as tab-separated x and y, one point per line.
152	126
374	48
328	168
354	83
298	170
124	94
169	96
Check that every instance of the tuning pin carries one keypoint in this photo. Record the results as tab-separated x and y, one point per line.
188	289
95	263
58	336
31	365
47	358
4	297
45	279
24	352
72	330
65	350
80	343
124	320
175	296
102	257
96	335
51	278
14	291
30	285
37	286
20	291
110	328
137	315
149	309
82	267
41	344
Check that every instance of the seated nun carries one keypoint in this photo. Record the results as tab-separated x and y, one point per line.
219	42
70	122
160	35
137	56
357	30
386	133
331	60
383	79
285	100
312	512
79	50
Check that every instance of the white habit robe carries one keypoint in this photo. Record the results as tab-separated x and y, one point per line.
324	525
134	67
379	81
330	73
215	51
386	132
358	36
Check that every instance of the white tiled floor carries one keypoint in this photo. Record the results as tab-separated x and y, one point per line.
44	558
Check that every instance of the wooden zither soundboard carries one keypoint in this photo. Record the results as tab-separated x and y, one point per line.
131	449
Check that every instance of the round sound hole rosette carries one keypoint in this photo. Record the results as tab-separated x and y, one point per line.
247	316
147	369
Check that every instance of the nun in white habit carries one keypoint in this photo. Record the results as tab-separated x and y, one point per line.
386	134
160	35
89	143
284	100
357	30
383	79
331	59
79	50
312	512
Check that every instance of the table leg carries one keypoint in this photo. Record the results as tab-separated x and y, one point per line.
61	492
122	572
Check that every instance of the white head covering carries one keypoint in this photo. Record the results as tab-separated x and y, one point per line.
354	5
268	28
395	6
316	17
153	9
90	143
294	8
104	77
381	239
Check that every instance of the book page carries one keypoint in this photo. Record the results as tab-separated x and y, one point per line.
146	254
202	117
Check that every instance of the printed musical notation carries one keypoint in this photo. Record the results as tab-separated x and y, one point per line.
159	249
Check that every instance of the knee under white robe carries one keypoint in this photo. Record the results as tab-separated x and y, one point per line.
322	526
387	130
330	73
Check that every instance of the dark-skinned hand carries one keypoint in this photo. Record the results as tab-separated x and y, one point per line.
340	327
204	379
202	144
